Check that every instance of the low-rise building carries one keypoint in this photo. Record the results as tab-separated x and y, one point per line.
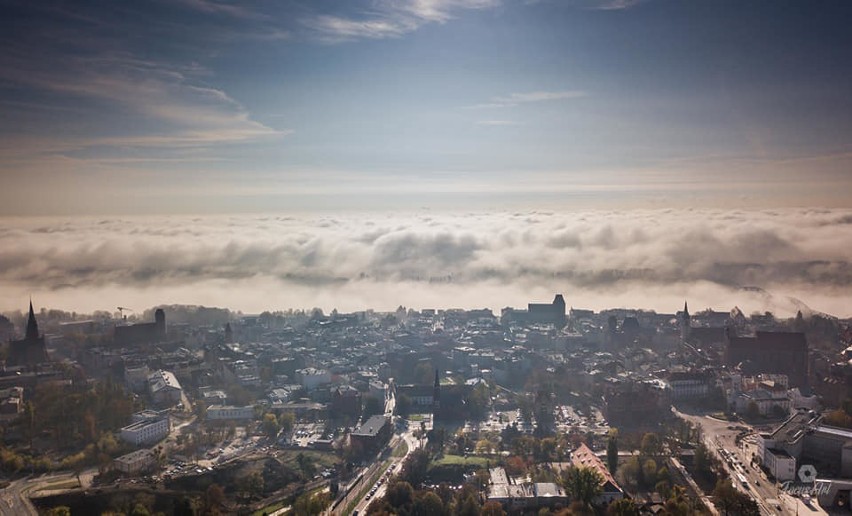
146	431
689	385
373	434
311	378
11	403
584	457
164	387
520	496
228	412
135	462
807	440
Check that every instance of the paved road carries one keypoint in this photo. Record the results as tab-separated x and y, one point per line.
394	467
718	436
396	463
15	499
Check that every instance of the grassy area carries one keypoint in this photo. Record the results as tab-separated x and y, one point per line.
282	503
400	450
415	417
269	509
321	459
448	460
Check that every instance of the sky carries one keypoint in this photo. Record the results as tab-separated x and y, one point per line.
122	119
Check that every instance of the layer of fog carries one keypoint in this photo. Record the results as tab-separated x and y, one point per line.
644	259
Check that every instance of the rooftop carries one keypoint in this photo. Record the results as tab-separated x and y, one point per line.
372	426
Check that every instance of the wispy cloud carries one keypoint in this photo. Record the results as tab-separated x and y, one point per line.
389	19
514	99
600	5
538	96
221	8
497	122
170	103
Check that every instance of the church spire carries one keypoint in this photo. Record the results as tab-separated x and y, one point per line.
685	310
32	325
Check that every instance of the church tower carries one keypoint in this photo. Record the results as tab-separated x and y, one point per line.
685	323
160	323
32	325
436	397
31	350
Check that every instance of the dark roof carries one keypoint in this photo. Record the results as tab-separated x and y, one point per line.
372	426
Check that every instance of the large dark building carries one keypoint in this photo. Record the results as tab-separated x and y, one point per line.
372	435
547	313
142	332
770	352
31	349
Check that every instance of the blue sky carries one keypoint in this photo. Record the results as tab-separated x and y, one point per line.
159	106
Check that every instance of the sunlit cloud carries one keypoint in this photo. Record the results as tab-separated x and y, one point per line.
597	258
389	19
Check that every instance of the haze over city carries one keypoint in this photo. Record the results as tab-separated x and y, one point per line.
425	257
464	153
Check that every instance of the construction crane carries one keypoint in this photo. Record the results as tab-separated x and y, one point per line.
121	310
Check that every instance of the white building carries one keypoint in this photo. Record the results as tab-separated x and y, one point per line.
311	378
146	431
226	412
766	401
135	462
164	387
780	464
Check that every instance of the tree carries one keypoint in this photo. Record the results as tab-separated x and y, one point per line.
306	465
651	445
623	507
492	508
60	510
477	402
427	504
287	420
731	501
399	494
469	507
612	452
252	484
415	468
214	497
270	425
582	484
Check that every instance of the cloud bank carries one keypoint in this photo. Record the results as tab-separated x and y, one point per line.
644	258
